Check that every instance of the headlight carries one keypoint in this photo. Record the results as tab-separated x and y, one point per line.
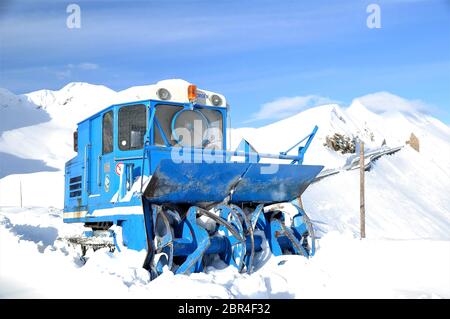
163	94
216	100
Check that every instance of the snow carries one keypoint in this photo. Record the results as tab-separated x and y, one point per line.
393	126
34	263
11	106
406	253
403	200
42	189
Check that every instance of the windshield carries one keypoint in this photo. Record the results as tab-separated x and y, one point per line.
199	128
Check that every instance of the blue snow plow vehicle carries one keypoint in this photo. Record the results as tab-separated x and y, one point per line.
156	175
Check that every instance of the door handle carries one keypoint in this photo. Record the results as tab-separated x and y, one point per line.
129	171
86	169
99	162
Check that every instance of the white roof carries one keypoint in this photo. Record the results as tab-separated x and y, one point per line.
177	88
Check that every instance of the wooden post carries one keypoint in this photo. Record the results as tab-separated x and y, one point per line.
362	211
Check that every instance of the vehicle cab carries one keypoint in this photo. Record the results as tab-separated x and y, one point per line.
120	147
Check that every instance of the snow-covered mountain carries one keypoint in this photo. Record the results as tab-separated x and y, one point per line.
407	192
36	136
18	111
394	128
33	122
407	203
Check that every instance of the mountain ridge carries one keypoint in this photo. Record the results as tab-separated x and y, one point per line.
62	109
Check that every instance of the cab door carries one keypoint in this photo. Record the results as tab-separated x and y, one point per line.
132	120
101	158
106	160
95	148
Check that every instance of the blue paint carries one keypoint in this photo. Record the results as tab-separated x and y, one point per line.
133	232
193	182
302	149
269	183
204	177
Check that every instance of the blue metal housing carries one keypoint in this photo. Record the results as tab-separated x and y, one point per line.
95	193
118	187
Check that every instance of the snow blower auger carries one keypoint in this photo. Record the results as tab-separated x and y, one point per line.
193	211
156	175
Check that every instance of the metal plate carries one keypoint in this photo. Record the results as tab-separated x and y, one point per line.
201	182
287	183
192	182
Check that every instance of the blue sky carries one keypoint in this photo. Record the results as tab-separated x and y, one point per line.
255	52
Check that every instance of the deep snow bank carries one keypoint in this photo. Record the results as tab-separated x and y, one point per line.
406	198
43	189
33	263
406	254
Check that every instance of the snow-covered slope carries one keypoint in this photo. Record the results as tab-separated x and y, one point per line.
74	102
406	198
407	204
39	125
17	111
355	121
36	135
406	192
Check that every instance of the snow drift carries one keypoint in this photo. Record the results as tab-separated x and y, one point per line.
407	252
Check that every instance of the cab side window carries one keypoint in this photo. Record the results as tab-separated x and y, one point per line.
132	127
107	132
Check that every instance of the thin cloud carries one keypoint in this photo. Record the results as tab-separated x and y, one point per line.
64	74
381	102
286	106
87	66
68	70
122	27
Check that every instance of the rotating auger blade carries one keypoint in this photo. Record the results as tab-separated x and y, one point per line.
297	238
182	245
236	198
